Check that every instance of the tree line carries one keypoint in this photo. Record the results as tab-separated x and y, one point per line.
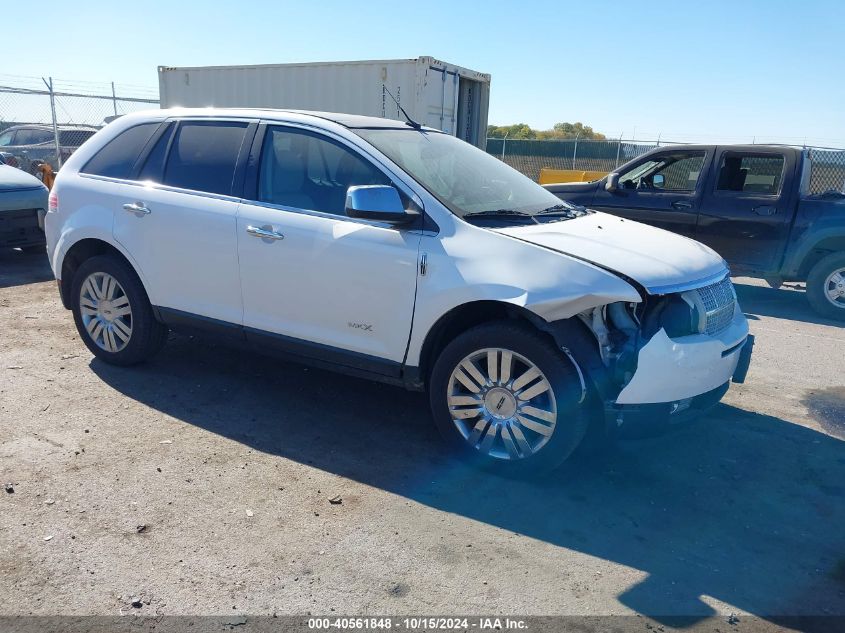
558	132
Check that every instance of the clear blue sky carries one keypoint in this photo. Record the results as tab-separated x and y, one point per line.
687	70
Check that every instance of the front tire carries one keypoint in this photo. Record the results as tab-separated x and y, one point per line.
826	286
503	396
112	312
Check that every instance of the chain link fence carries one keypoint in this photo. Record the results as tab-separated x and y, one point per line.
42	120
827	166
530	156
827	171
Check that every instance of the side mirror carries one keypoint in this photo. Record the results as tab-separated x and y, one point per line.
658	180
377	202
612	183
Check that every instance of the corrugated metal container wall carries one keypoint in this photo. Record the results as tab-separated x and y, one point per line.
441	95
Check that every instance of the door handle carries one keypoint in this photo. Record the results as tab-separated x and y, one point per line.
136	207
681	204
264	232
765	210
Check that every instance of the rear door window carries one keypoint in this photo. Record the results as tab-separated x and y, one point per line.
118	156
153	169
203	155
759	174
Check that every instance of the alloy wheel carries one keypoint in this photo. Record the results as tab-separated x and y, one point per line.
502	404
106	312
834	288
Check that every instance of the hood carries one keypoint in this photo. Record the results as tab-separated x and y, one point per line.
654	258
14	179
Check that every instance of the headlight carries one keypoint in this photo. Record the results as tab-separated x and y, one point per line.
682	315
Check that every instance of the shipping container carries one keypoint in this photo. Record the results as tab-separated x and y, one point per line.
435	93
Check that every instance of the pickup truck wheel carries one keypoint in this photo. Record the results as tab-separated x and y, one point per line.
506	398
826	286
113	314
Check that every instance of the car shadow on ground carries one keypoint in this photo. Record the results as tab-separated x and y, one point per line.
18	268
786	302
742	507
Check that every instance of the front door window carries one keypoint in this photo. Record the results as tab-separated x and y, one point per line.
671	172
306	171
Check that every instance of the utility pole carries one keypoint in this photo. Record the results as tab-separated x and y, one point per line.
575	150
49	85
618	149
114	98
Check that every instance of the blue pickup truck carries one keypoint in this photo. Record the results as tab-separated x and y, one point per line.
772	212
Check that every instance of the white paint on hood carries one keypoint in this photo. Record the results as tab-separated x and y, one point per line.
653	257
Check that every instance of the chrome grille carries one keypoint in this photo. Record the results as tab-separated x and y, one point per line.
719	301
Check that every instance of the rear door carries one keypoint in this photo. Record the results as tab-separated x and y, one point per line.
662	189
745	215
179	221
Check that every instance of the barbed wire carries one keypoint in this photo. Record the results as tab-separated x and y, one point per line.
93	88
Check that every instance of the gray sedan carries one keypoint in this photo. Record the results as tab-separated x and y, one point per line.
23	205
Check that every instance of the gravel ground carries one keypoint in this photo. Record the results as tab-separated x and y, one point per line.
203	483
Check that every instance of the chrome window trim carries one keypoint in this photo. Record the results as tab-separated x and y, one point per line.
688	285
327	216
148	184
245	201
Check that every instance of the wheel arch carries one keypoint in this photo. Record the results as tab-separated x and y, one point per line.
458	320
820	249
570	334
81	251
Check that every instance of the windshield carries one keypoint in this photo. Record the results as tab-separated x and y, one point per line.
465	179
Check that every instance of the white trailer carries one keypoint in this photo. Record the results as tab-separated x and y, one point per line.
441	95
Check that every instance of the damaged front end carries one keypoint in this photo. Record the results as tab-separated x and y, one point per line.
672	353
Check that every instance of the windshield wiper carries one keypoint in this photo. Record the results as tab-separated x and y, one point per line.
497	212
569	210
503	214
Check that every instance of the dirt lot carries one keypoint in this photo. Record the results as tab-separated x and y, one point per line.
229	461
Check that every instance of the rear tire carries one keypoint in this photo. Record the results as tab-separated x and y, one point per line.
112	312
825	283
502	418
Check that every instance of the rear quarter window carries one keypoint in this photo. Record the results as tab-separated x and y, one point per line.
203	155
118	156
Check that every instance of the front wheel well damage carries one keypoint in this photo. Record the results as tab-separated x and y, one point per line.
77	254
460	319
572	336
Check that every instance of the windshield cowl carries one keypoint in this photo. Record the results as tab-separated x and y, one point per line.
555	213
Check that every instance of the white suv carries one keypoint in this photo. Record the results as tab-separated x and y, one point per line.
395	252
